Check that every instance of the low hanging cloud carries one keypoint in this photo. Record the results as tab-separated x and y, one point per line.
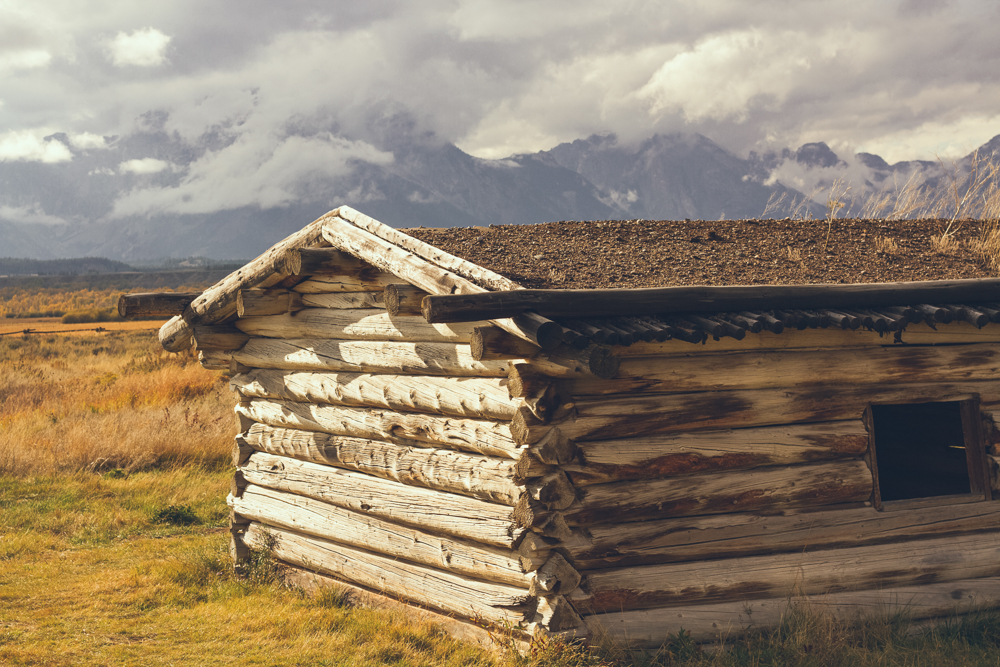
146	165
141	48
33	146
32	214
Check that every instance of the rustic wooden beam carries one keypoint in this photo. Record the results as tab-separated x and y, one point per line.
466	307
258	302
310	261
494	343
404	299
478	398
155	304
343	300
368	356
333	283
361	324
219	337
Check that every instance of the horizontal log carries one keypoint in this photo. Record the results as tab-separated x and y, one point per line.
482	398
685	453
784	575
794	368
487	478
495	343
955	333
466	307
451	593
218	302
811	485
404	299
219	337
314	517
746	534
361	324
215	360
411	429
307	354
568	362
651	628
343	300
309	261
429	510
155	304
259	302
366	281
638	415
428	275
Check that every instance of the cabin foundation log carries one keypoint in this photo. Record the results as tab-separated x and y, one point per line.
461	397
487	478
412	429
426	509
466	597
313	354
362	324
720	622
785	575
708	537
723	492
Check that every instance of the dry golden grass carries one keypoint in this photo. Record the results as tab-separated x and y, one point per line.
55	325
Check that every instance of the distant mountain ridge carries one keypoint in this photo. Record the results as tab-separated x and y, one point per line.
50	211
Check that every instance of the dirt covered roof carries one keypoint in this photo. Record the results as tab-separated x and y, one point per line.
660	253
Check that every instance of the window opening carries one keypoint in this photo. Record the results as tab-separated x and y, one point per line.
926	450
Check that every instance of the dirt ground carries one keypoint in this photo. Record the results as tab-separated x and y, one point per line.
656	253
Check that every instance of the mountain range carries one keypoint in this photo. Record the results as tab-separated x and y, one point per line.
68	209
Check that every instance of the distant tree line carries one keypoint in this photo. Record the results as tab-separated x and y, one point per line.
12	266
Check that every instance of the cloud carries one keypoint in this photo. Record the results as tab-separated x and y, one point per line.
142	48
87	141
31	214
32	146
146	165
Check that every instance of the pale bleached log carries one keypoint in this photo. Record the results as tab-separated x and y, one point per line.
783	575
651	628
484	477
343	300
794	368
451	593
241	450
218	302
685	453
555	576
258	302
484	398
404	299
429	276
314	517
366	281
615	544
361	324
309	261
215	360
218	337
433	511
307	354
915	334
617	417
723	492
412	429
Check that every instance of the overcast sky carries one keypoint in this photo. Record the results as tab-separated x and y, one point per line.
296	89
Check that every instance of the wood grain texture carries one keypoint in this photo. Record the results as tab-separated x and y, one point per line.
411	429
158	304
484	477
809	485
307	354
360	324
651	628
365	281
615	544
429	510
785	575
674	454
484	398
344	300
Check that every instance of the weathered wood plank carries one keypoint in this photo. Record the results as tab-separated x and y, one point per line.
404	299
215	360
794	368
723	492
257	302
361	324
707	537
483	398
783	575
219	301
412	429
366	281
636	415
484	477
651	628
309	261
219	337
433	511
314	517
449	359
685	453
467	597
343	300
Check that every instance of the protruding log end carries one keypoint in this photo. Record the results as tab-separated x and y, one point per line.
556	614
602	362
176	335
554	490
556	576
403	299
493	343
549	335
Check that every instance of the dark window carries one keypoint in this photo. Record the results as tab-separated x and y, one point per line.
926	450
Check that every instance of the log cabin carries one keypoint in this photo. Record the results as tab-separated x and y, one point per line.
605	462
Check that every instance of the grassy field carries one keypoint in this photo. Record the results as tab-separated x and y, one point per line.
114	467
